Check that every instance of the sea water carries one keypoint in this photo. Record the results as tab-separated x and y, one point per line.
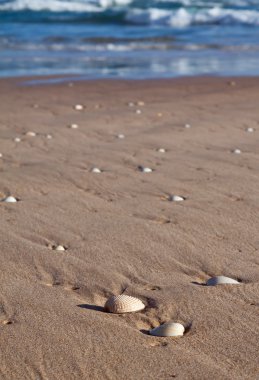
129	38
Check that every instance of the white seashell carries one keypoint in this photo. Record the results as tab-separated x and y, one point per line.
31	134
9	199
60	248
145	170
237	151
221	280
123	304
140	103
250	129
78	107
49	137
187	126
96	170
121	136
131	104
17	139
176	198
73	126
1	155
168	329
138	112
161	150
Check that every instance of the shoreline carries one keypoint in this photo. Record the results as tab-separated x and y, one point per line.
121	232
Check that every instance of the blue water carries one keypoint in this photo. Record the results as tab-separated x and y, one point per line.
129	38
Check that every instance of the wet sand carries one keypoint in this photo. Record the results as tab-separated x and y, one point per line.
122	234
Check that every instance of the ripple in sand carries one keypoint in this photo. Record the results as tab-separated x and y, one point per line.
96	170
168	329
221	280
9	199
123	304
78	107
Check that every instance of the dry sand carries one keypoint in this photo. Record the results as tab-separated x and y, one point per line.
122	234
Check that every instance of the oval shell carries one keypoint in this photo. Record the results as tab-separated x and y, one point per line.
176	198
78	107
237	151
221	280
123	304
60	248
145	170
96	170
161	150
10	199
168	329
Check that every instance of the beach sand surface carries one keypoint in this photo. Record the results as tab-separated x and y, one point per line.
121	233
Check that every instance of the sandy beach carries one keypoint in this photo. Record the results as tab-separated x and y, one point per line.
122	234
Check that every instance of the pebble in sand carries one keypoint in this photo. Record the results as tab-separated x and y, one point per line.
96	170
78	107
168	329
145	170
237	151
123	304
176	198
9	199
221	280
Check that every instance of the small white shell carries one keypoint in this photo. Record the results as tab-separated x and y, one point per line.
168	329
131	104
78	107
73	126
49	137
161	150
123	304
187	126
96	170
145	170
221	280
138	112
250	129
1	155
9	199
31	134
121	136
17	139
176	198
237	151
60	248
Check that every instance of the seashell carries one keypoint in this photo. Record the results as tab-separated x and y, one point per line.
237	151
78	107
49	137
159	114
17	139
96	170
131	104
1	155
123	304
121	136
73	126
161	150
9	199
145	170
221	280
140	103
176	198
250	129
60	248
168	329
31	134
187	126
138	112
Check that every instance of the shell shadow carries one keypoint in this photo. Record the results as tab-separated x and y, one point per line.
91	307
198	283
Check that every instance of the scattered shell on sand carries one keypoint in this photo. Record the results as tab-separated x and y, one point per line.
237	151
138	112
221	280
17	139
9	199
60	248
96	170
145	170
250	129
161	150
123	304
31	134
79	107
1	155
131	104
176	198
49	137
168	329
187	126
140	103
73	126
121	136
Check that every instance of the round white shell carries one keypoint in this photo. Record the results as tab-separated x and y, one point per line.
96	170
60	248
187	126
146	170
121	136
123	304
49	137
73	126
1	155
78	107
250	129
168	329
176	198
138	112
221	280
161	150
31	134
237	151
17	139
10	199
